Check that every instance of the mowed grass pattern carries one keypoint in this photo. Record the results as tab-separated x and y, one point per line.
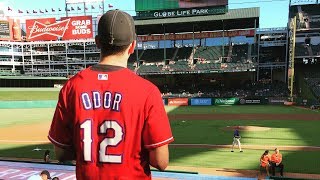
240	109
294	161
14	117
282	133
28	95
192	132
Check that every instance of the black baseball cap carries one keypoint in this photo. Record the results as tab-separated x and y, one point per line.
116	28
46	173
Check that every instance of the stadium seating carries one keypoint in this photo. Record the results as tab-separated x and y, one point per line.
209	53
183	53
239	53
156	55
313	81
253	90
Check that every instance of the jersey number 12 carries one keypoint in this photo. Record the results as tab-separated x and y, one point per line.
114	141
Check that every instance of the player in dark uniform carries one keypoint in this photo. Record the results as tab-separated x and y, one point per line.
236	139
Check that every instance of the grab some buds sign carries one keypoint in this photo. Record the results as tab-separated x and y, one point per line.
79	27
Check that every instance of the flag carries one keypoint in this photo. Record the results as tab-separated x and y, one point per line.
53	10
72	9
59	9
34	11
9	9
85	8
67	9
110	5
92	7
28	12
79	9
100	7
19	11
46	10
40	11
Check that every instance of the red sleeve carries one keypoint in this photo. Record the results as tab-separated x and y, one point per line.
61	133
157	131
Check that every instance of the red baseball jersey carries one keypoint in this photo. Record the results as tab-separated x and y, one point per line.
110	117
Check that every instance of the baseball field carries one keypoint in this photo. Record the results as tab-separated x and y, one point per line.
203	135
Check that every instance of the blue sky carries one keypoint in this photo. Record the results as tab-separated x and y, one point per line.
273	13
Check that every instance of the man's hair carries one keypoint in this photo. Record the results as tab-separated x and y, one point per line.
108	50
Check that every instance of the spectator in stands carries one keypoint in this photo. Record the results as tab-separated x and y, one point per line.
276	161
55	178
264	161
46	156
307	40
44	175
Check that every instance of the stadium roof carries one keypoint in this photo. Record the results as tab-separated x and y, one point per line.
231	14
233	19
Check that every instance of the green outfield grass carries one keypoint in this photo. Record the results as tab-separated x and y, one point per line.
282	133
294	161
14	117
28	95
240	109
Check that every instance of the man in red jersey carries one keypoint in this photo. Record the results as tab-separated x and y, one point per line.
111	121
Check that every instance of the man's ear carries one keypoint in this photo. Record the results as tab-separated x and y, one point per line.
132	47
98	42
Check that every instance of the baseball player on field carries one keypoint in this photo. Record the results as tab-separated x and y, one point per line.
111	121
236	139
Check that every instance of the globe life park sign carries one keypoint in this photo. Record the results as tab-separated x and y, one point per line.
182	12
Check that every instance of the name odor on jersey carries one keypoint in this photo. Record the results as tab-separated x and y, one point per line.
107	100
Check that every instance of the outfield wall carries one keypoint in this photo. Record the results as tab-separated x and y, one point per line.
224	101
166	101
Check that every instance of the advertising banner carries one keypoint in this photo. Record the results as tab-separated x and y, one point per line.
178	102
10	30
5	30
201	102
275	100
16	30
226	101
302	2
201	35
80	27
250	101
45	29
182	12
149	5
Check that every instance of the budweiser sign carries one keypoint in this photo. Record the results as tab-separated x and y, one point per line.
79	27
56	29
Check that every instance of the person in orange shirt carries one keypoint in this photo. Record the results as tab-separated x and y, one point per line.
264	161
276	161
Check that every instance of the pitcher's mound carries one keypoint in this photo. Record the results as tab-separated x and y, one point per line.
246	128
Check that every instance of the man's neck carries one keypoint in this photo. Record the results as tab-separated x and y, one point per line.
114	60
